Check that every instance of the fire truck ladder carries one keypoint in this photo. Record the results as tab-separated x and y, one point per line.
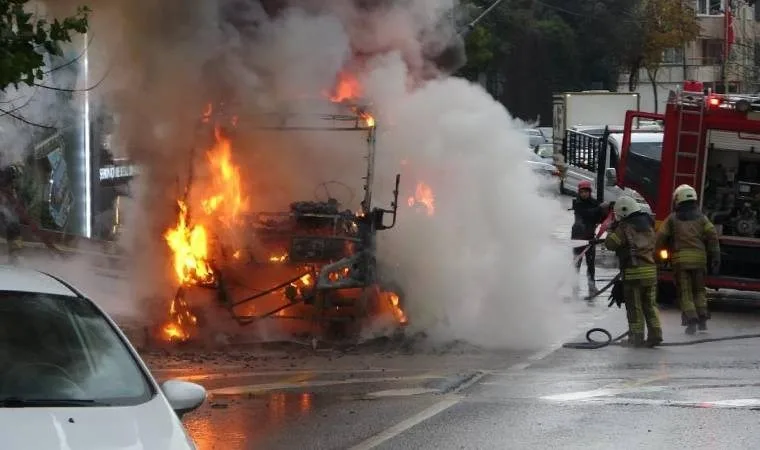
686	161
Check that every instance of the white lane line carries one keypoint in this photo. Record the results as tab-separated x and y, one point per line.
401	392
401	427
739	403
603	392
436	409
263	387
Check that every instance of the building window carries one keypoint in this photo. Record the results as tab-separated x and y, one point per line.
712	51
672	56
710	7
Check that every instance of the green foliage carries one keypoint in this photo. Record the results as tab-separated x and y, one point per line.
665	24
536	48
26	39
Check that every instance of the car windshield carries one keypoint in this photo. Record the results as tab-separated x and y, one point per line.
651	150
62	350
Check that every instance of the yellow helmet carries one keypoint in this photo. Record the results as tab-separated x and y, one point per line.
625	206
684	193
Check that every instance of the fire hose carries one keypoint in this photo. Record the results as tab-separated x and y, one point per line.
593	344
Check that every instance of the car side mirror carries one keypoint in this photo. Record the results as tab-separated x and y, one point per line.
610	177
183	396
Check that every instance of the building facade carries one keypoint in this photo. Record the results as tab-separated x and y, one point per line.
728	27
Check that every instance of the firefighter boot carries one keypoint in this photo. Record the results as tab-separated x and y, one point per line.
702	321
691	327
654	338
635	340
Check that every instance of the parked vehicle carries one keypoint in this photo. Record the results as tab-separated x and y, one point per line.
589	108
595	159
535	137
69	378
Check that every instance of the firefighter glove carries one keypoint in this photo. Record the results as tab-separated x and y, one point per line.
616	296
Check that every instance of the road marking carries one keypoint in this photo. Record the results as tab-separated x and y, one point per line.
426	414
740	403
296	384
401	392
405	425
611	390
603	392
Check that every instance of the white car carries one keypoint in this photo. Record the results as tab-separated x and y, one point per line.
69	378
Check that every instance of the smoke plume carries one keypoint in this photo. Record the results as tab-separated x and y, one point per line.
482	268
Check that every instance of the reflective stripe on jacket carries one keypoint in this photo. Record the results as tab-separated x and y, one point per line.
690	241
635	249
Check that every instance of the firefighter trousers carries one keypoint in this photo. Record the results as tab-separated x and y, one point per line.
641	308
692	294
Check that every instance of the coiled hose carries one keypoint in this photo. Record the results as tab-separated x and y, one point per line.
593	344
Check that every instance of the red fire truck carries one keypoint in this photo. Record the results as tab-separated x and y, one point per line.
711	142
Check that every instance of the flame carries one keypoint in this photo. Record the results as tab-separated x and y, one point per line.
190	248
423	195
223	203
180	320
395	301
368	119
278	258
226	183
347	87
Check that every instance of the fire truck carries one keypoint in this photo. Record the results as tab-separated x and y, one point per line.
711	142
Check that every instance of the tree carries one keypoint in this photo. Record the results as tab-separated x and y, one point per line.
663	24
25	40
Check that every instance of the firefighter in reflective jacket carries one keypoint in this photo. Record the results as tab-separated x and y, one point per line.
632	238
694	247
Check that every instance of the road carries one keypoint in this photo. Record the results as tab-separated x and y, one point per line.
391	396
408	394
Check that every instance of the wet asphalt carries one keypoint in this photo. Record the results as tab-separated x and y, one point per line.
396	395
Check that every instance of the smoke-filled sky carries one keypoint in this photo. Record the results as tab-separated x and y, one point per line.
475	270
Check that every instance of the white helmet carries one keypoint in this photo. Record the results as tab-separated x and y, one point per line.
684	193
625	206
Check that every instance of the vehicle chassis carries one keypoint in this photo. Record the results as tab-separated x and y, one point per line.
335	249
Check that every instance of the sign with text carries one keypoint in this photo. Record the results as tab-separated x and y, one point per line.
116	172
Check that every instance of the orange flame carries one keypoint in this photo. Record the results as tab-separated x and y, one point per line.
190	244
190	248
180	320
226	183
423	195
347	88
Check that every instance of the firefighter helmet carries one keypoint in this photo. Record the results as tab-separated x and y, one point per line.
684	193
584	184
625	206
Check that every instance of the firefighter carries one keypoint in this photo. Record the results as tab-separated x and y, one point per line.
632	237
694	247
589	213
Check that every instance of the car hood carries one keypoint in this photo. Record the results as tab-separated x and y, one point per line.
148	426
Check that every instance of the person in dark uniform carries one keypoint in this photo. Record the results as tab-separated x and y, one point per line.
9	175
589	214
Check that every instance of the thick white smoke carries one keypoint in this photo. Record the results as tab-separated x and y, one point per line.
484	267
